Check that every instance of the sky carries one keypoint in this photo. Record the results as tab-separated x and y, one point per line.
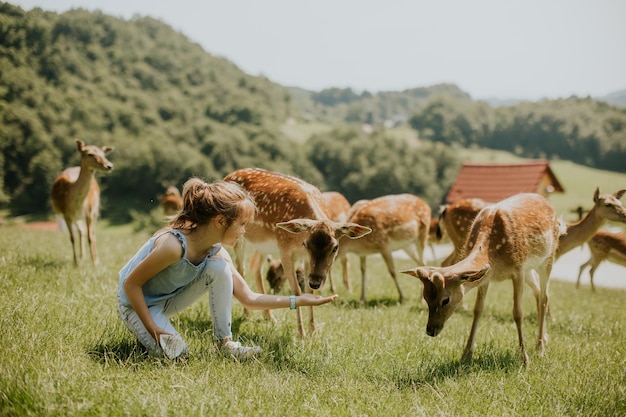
492	49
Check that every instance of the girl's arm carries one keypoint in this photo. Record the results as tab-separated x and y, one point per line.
167	250
255	301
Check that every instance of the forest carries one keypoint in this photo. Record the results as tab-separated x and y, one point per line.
172	110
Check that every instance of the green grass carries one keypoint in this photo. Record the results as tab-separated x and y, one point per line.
64	352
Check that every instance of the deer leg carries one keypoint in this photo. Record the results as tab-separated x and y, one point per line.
580	271
363	260
290	273
532	279
542	340
255	267
592	272
468	352
91	238
346	274
332	282
518	314
388	258
70	230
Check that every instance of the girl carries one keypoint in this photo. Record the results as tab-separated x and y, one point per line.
185	260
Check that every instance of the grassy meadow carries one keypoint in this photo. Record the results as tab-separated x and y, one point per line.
64	352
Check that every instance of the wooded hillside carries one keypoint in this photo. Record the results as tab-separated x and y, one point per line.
172	110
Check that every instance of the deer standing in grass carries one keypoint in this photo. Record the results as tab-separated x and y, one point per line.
604	246
507	240
400	221
605	207
455	221
292	220
171	201
75	196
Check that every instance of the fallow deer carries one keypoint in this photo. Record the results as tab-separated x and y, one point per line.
75	196
506	241
604	246
338	208
455	221
171	201
399	221
606	207
276	275
292	220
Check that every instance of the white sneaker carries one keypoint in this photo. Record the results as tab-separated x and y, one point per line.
238	352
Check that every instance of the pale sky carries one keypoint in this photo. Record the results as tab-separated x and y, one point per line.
526	49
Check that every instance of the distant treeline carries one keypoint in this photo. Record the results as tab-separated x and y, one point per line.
172	110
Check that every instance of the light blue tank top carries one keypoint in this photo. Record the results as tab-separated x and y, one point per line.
168	282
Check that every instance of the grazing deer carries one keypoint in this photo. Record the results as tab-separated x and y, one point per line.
75	196
292	220
276	275
604	246
455	221
606	207
171	201
506	241
338	208
400	221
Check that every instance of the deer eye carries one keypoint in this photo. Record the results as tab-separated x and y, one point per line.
445	301
335	248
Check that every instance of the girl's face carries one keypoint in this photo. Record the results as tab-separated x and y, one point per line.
233	232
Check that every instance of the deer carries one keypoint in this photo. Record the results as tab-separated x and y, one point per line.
276	275
171	201
606	207
455	221
292	220
75	197
338	208
507	240
604	246
398	221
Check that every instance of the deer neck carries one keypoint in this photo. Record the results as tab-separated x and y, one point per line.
81	186
581	231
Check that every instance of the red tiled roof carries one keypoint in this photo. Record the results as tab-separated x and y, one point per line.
495	182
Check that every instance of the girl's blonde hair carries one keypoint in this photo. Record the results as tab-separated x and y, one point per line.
203	201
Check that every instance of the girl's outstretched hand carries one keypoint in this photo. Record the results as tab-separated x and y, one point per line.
314	300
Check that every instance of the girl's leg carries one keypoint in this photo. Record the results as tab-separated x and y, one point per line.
133	323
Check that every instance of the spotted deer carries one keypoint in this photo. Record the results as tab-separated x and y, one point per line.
455	221
292	220
399	221
75	196
507	240
338	208
604	246
605	207
171	201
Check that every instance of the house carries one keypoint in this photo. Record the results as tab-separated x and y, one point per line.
494	182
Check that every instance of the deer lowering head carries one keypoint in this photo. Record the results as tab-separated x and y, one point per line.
75	196
292	220
509	240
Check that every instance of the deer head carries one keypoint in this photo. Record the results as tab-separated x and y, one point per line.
322	243
444	289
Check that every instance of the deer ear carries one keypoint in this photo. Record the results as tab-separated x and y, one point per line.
596	195
619	194
79	144
420	272
107	149
471	279
352	230
296	225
